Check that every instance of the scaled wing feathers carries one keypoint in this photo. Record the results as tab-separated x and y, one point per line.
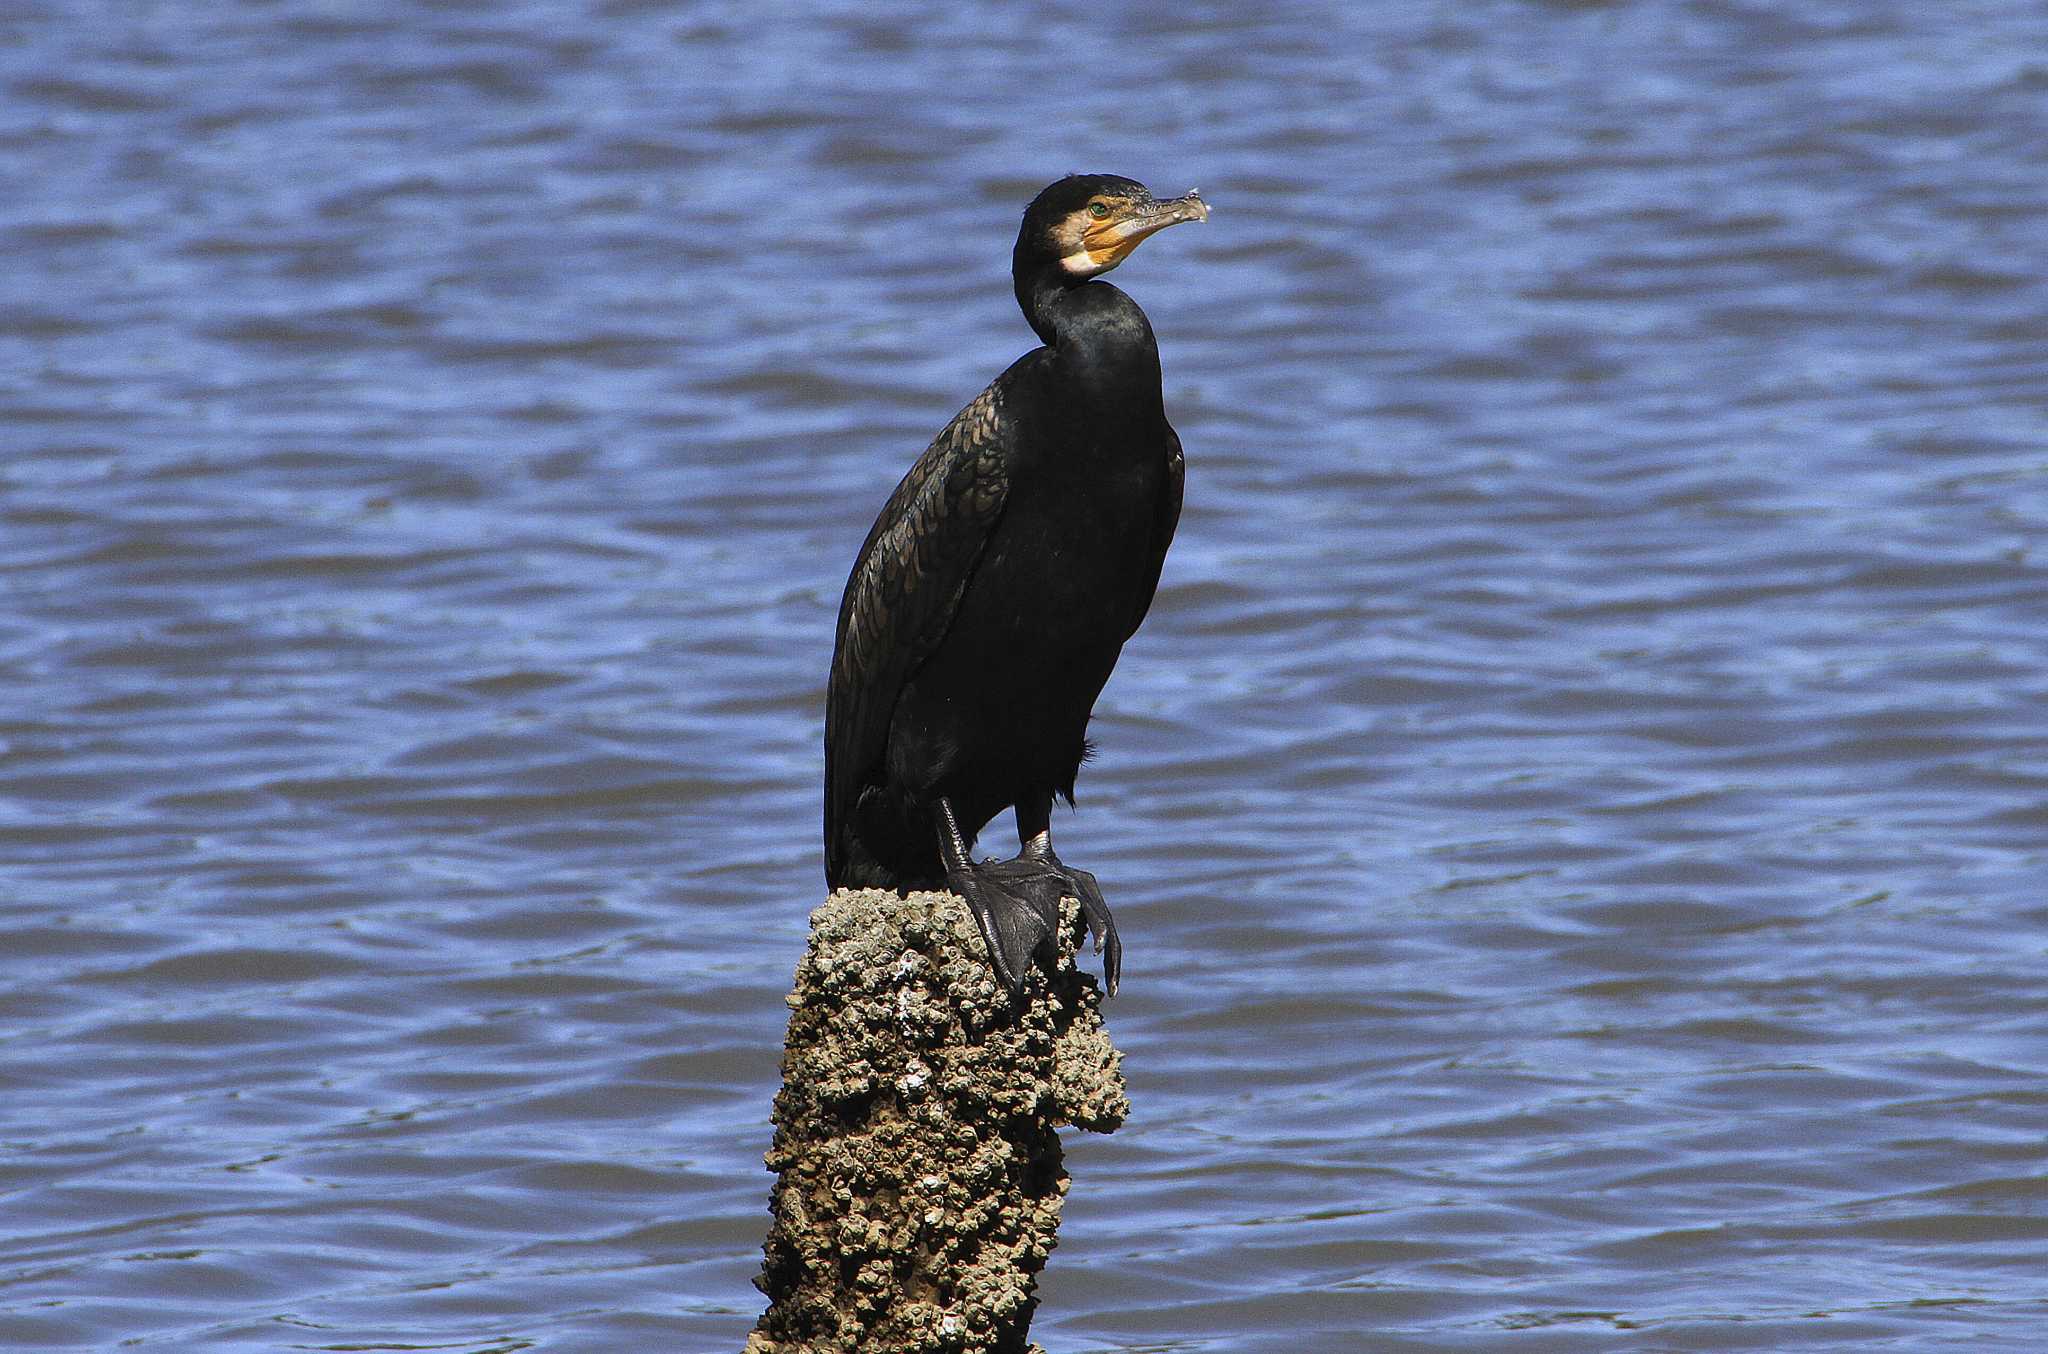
905	586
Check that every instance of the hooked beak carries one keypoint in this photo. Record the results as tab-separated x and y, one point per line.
1153	218
1109	244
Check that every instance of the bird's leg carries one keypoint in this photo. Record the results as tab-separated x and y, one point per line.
1034	833
1018	909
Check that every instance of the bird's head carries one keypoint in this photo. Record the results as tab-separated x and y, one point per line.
1086	224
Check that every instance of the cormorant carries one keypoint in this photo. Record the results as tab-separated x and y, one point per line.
995	591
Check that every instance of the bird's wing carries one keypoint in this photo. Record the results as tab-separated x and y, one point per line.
905	586
1164	519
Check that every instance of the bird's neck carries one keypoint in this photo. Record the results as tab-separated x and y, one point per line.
1099	338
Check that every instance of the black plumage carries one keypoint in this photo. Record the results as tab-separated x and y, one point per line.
994	593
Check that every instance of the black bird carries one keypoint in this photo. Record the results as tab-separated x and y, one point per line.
997	588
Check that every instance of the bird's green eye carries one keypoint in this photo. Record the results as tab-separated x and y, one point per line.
1099	210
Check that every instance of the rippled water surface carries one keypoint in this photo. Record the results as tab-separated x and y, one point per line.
1576	812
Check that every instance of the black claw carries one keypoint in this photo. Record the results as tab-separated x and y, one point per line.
1101	926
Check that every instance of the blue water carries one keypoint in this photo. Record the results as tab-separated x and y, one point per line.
1576	812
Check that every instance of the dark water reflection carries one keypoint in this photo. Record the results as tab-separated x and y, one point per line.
1576	811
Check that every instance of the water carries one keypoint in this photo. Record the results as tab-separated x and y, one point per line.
1576	812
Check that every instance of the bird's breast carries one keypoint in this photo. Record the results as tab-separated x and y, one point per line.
1071	551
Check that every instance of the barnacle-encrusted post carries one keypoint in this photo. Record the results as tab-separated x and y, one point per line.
918	1166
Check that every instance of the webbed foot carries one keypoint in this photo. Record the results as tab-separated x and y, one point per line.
1083	889
1016	902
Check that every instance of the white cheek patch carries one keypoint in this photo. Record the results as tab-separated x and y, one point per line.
1081	263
